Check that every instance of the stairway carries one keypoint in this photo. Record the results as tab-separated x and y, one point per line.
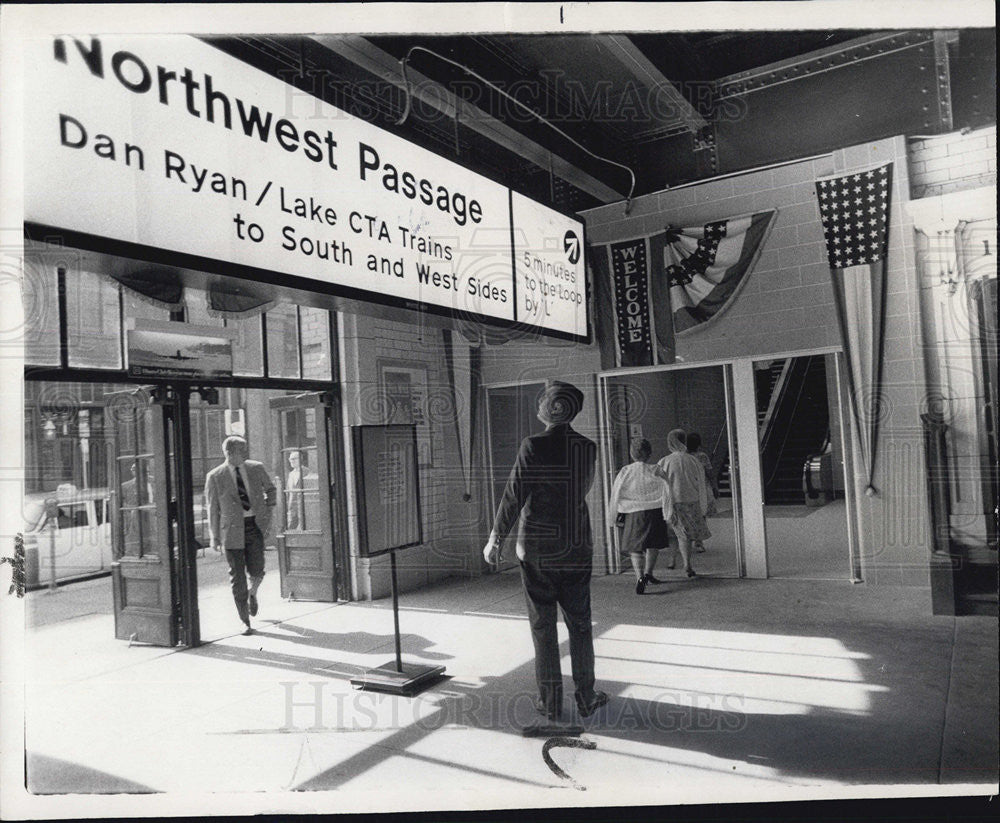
723	479
765	389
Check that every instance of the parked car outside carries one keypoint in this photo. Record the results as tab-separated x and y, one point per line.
70	537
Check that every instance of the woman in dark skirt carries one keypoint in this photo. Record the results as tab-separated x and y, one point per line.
637	500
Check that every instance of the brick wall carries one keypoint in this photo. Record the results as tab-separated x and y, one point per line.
953	162
314	329
787	304
661	401
449	545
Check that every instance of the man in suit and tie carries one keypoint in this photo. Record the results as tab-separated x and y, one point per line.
240	496
547	488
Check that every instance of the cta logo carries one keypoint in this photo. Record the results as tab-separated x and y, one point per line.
571	245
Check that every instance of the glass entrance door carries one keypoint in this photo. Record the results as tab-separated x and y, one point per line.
143	573
312	542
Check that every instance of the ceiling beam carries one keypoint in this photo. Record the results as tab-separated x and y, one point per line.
637	64
363	53
829	58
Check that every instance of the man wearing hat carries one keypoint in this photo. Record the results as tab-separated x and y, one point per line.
548	487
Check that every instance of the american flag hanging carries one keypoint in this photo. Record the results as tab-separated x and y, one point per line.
854	209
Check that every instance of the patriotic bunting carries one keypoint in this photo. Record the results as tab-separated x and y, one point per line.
649	289
855	212
707	266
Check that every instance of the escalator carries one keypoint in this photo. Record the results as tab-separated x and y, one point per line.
794	424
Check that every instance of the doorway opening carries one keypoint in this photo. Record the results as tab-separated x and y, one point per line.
511	415
115	483
648	405
801	431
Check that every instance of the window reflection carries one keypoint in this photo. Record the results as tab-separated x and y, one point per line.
98	310
248	355
93	321
299	457
137	502
283	341
315	331
41	313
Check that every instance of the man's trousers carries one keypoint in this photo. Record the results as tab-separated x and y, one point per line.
569	588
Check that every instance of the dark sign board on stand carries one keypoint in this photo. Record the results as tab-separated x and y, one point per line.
388	495
387	486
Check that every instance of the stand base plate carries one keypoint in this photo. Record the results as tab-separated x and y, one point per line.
410	681
551	729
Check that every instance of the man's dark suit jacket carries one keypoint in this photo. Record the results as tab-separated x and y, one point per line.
550	480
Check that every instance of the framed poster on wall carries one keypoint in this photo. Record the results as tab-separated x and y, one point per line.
387	488
403	391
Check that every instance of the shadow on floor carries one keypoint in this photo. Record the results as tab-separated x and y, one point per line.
353	641
50	775
773	716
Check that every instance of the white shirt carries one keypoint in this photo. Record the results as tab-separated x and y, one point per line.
686	481
232	471
637	488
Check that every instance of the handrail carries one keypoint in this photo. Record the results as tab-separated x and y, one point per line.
718	439
825	449
772	404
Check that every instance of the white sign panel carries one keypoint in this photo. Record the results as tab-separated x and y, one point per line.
549	267
167	146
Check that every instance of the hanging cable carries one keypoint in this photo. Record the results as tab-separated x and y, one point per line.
409	98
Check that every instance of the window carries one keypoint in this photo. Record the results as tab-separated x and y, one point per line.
72	516
98	310
315	331
93	321
136	306
283	341
41	313
248	355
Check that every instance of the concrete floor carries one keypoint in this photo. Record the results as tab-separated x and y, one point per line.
808	543
722	689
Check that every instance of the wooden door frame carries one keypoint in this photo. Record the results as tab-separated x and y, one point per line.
332	480
166	635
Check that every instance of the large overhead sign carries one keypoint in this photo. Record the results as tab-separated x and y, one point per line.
165	146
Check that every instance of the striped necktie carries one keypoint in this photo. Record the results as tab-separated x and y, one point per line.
241	490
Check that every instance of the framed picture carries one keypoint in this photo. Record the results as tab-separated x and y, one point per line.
403	392
161	349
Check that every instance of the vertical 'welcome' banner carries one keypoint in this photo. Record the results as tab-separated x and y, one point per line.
629	263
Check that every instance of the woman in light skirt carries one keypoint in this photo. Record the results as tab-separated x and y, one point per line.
687	496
